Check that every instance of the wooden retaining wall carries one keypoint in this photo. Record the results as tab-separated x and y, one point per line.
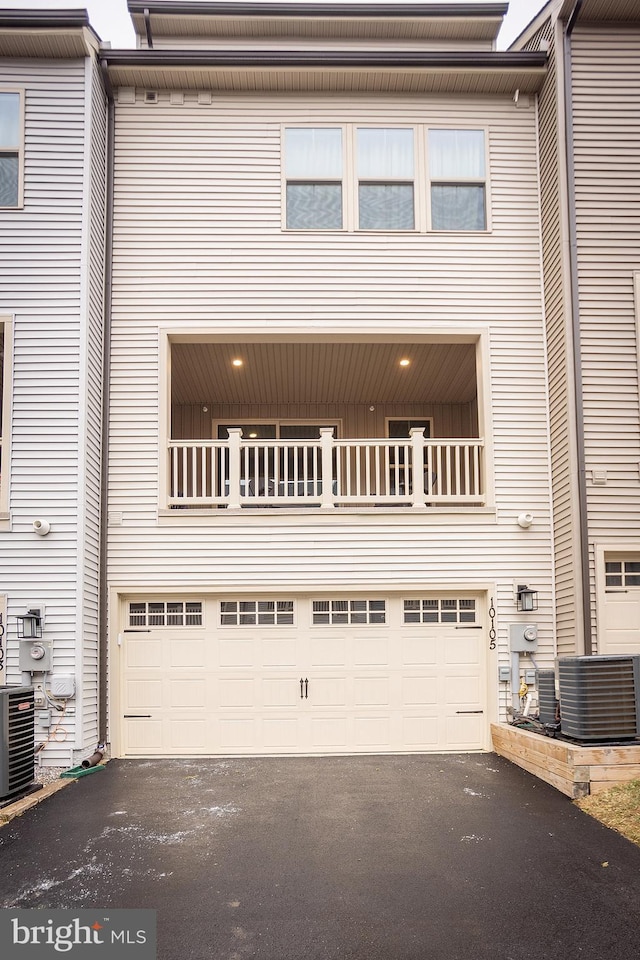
575	770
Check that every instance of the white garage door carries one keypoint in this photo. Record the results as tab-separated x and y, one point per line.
619	629
304	675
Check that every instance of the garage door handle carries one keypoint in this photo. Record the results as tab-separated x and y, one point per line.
137	716
301	688
469	711
306	689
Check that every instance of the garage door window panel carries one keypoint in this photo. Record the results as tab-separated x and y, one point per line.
622	573
171	613
454	611
354	612
247	613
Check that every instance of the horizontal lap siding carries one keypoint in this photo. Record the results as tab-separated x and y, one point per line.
606	78
559	355
198	242
94	375
41	251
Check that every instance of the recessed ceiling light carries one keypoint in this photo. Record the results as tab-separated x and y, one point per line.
253	436
405	362
237	362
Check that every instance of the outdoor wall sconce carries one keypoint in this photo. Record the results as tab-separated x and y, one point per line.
30	624
526	599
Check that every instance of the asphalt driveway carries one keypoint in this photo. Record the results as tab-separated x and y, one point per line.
458	857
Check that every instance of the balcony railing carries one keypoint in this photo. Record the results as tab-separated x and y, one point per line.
325	473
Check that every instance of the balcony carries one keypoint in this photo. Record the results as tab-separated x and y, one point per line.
328	473
293	426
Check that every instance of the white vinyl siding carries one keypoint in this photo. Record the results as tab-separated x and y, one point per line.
56	374
606	74
559	352
199	247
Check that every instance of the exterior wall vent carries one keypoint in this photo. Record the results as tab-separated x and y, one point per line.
151	96
17	728
600	697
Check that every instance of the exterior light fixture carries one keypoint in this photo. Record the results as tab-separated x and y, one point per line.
526	599
30	624
237	362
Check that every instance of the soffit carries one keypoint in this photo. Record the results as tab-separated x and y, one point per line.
612	10
347	20
45	44
320	72
323	373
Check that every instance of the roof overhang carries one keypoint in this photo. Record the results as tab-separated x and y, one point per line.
343	71
50	34
613	11
462	21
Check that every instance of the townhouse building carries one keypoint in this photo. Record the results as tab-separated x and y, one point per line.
329	459
590	158
52	245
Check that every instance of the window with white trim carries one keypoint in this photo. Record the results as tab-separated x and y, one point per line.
169	613
440	610
246	613
622	573
349	611
385	167
457	176
11	112
313	170
397	178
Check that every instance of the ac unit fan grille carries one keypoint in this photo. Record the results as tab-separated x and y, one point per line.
600	697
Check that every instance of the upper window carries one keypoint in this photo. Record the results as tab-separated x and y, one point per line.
313	168
457	172
10	148
385	162
377	178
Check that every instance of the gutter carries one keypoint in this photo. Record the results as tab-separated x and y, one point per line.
343	58
334	10
103	602
39	20
576	332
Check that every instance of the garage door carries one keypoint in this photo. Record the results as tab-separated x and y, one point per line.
619	630
303	675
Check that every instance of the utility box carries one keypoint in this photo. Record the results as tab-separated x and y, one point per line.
35	656
523	637
17	750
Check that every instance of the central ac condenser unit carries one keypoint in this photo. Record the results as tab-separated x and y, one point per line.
600	697
17	751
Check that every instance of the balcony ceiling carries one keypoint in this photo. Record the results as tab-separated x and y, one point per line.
323	373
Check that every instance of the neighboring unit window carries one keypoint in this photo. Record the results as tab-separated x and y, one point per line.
457	173
172	613
385	166
439	611
622	573
349	611
313	170
10	148
245	613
